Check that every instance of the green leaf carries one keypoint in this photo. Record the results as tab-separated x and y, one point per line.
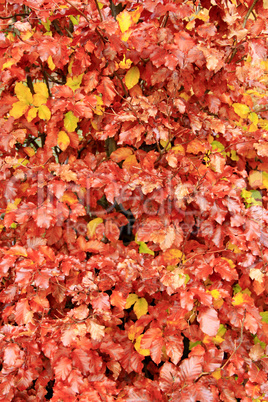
144	249
140	307
70	121
217	145
236	289
264	315
193	344
74	20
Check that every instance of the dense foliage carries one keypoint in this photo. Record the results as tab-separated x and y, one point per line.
134	177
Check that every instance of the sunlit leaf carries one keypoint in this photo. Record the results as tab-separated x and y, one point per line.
50	63
18	109
92	225
23	93
124	20
74	82
44	112
132	77
63	140
241	110
32	113
137	346
140	307
70	121
132	298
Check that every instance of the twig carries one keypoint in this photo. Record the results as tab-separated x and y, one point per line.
99	11
14	15
240	342
122	84
249	12
77	9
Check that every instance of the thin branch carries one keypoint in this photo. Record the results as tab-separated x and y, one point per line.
240	342
249	12
122	84
77	9
14	15
99	11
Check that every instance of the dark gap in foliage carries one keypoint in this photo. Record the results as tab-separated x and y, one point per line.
186	349
49	389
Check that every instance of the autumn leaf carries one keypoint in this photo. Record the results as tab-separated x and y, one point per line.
92	225
140	307
132	298
209	322
132	77
70	121
144	249
63	140
74	82
241	110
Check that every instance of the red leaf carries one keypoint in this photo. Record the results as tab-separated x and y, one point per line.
184	41
63	368
208	319
190	368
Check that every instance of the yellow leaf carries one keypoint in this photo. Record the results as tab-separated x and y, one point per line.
124	20
99	109
265	4
241	110
32	114
217	339
132	298
238	299
44	112
252	128
69	198
92	225
18	109
178	149
70	121
217	374
137	346
140	307
9	63
63	140
23	93
215	294
165	144
173	256
233	248
125	64
50	63
253	117
126	35
258	179
39	100
74	82
132	77
41	88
